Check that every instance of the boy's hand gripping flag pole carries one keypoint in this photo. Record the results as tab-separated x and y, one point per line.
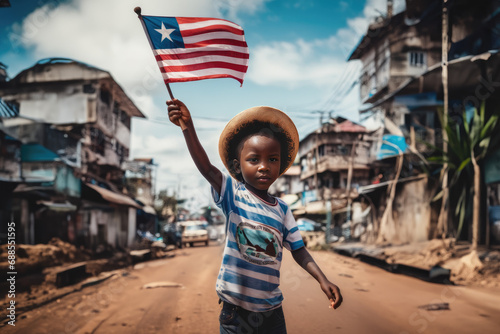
196	48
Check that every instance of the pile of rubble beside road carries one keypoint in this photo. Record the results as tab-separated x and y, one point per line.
434	257
46	272
32	259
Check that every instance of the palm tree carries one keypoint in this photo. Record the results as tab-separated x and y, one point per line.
469	142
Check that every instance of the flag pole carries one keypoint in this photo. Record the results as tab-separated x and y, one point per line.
137	10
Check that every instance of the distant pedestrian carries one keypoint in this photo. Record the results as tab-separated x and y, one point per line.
256	146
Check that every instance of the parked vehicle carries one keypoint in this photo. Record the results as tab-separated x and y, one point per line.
194	232
146	235
305	224
172	235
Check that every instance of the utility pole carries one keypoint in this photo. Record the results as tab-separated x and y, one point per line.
442	227
316	153
328	207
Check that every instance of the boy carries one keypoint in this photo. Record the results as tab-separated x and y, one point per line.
256	146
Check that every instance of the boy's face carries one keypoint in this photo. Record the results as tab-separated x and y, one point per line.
260	161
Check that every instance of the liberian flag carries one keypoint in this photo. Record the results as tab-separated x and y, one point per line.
194	48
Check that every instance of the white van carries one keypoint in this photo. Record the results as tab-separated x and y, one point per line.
194	231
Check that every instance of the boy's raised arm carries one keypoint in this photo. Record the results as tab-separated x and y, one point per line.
178	110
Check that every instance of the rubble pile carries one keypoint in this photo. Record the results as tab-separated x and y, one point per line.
426	254
467	267
34	258
478	268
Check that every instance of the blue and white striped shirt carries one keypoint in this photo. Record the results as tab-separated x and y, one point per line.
256	233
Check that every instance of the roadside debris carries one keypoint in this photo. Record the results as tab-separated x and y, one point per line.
345	275
468	266
154	285
34	258
437	260
49	271
435	307
71	274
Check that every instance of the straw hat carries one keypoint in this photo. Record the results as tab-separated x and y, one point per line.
259	114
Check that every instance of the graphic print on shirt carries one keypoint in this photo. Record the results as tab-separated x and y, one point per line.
257	243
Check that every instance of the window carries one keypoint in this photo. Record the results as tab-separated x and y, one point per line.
97	140
417	58
303	165
105	96
88	89
343	150
321	150
125	119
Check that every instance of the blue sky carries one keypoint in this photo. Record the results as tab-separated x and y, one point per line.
298	63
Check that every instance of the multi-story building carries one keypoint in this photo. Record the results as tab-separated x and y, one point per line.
402	79
402	57
140	174
395	49
89	110
334	161
74	123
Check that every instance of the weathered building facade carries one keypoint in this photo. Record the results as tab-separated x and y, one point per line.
74	123
10	162
88	108
404	59
140	176
396	49
334	163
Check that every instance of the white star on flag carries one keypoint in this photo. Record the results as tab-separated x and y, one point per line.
165	33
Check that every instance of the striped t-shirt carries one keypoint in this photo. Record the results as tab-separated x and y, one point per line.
256	233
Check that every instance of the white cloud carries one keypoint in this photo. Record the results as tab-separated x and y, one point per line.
318	62
294	64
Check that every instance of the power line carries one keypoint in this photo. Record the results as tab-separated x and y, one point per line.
343	88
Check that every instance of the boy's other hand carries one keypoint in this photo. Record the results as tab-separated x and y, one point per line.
333	293
177	110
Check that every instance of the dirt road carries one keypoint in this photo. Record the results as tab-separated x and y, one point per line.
184	301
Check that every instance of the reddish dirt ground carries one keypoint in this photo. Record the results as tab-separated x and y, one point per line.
184	301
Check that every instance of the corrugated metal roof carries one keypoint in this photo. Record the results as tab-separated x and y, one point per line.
8	110
37	153
113	197
66	69
348	126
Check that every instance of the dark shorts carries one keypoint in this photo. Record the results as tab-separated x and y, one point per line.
236	320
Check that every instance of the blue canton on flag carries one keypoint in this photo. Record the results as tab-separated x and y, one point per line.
164	32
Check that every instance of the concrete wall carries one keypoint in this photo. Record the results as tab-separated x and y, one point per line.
62	107
132	225
411	214
120	226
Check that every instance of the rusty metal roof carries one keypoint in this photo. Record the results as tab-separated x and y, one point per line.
51	70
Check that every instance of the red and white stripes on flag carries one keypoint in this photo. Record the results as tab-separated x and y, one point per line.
189	48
